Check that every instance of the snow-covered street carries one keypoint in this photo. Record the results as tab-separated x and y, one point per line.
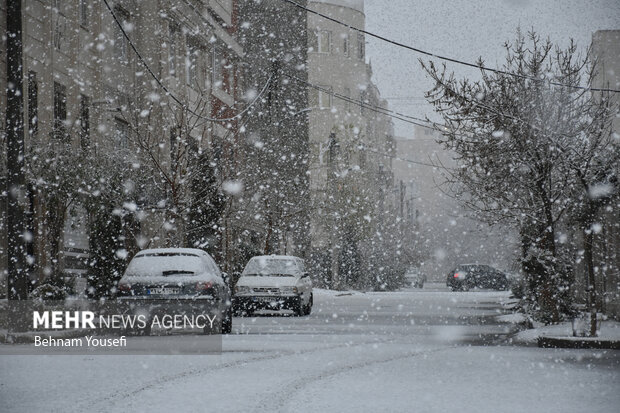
310	206
412	350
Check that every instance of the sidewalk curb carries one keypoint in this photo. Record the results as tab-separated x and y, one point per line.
578	343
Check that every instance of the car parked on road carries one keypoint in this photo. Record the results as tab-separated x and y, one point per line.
274	282
176	280
414	277
467	276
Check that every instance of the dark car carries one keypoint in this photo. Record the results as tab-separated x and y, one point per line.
467	276
176	281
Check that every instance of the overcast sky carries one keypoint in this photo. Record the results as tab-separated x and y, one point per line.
466	30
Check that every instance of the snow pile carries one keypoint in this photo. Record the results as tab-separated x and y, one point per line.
610	330
514	318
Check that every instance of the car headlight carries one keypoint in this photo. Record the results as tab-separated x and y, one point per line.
242	289
289	290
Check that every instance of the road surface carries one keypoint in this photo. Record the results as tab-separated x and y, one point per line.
411	350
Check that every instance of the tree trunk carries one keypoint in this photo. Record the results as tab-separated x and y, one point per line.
591	288
268	236
56	213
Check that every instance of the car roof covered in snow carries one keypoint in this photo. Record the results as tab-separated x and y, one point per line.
180	251
277	257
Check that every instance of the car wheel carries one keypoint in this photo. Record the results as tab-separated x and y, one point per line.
146	331
309	306
248	310
218	328
299	308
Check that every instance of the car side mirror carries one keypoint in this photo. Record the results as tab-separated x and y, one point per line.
226	278
305	275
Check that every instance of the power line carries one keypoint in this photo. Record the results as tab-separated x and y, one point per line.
384	111
398	158
448	59
378	109
396	115
168	92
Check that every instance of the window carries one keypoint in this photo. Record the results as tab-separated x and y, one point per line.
33	104
191	63
313	39
217	66
84	13
360	46
84	121
172	50
222	69
60	28
324	41
60	111
121	134
325	97
222	9
363	100
345	45
120	42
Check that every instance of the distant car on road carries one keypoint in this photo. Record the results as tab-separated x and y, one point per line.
274	282
180	280
467	276
415	278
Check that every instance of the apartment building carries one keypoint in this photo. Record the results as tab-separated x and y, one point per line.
606	51
86	89
349	140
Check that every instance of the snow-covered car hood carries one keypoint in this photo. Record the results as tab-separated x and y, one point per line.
267	281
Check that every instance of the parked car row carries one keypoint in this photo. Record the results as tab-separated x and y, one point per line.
188	281
468	276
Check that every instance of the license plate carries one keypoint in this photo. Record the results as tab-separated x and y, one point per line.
164	291
264	299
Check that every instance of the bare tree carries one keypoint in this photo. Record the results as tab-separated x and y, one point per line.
519	142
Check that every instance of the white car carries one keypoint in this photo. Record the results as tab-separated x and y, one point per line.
274	282
415	278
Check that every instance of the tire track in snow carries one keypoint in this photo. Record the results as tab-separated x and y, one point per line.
278	401
121	396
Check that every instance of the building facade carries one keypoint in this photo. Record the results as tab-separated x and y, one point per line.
276	134
87	92
351	141
606	51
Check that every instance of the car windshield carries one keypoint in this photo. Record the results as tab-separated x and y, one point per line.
271	267
466	268
164	265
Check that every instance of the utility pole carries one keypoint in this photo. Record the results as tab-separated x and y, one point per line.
16	189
